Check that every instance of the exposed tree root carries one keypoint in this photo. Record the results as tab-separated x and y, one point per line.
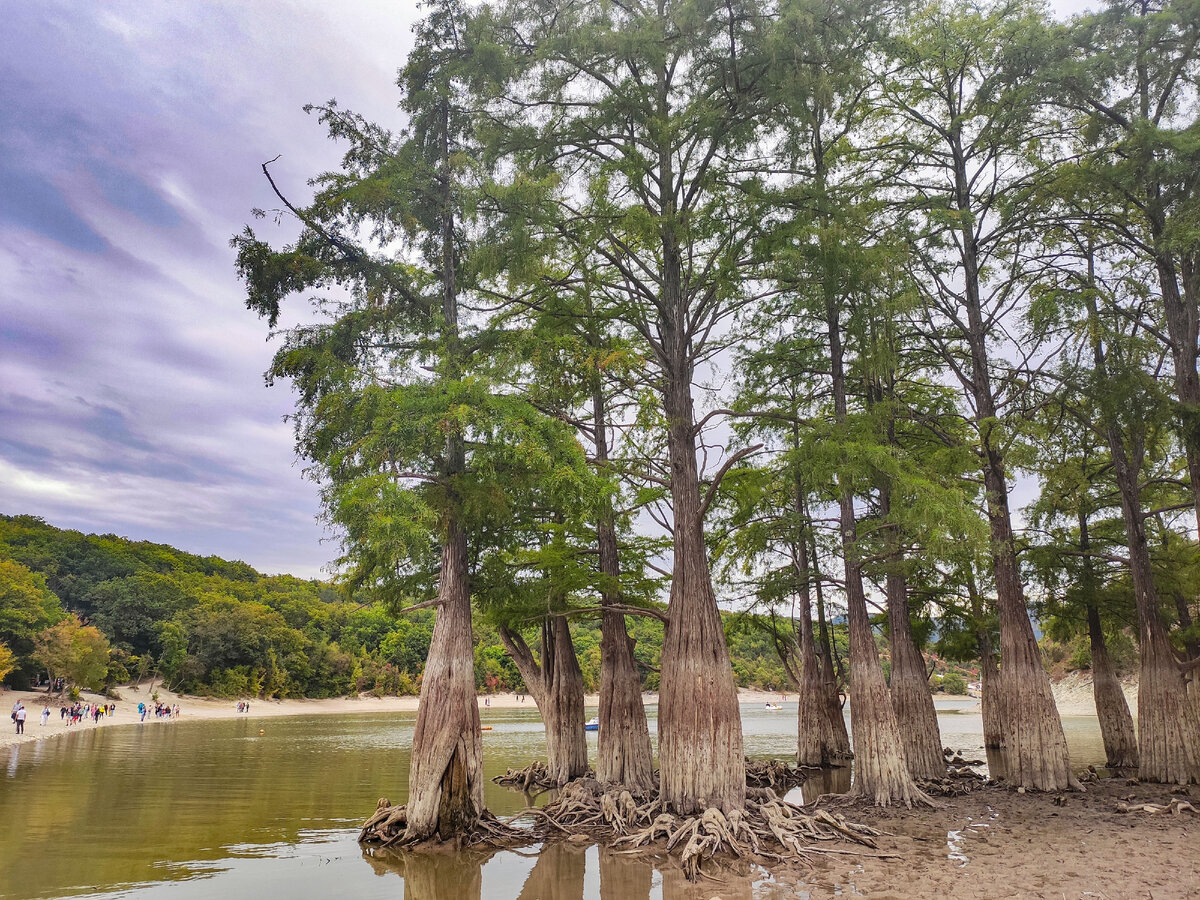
776	774
534	778
389	824
767	828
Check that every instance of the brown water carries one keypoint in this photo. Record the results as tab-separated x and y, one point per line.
214	809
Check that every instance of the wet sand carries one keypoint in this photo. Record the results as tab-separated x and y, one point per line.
996	843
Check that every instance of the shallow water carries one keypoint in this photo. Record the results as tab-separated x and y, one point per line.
214	809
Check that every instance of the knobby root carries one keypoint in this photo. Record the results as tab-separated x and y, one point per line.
388	828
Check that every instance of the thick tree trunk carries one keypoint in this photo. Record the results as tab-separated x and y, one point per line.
915	713
817	744
1035	747
445	794
1168	724
880	770
840	746
911	699
701	763
989	702
556	684
1116	724
624	756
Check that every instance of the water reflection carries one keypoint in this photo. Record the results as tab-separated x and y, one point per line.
558	872
434	874
561	870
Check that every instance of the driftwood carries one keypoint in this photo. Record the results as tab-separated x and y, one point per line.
1175	807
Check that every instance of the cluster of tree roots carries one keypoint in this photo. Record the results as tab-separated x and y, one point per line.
766	828
776	774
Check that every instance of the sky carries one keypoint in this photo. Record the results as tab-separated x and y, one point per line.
132	397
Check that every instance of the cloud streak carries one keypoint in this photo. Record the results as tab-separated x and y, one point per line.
131	391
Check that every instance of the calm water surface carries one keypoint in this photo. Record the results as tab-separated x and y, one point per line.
214	809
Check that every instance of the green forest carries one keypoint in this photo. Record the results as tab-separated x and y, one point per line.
209	626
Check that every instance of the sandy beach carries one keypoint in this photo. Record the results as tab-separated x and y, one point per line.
202	708
1073	695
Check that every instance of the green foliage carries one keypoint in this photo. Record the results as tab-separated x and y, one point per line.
953	683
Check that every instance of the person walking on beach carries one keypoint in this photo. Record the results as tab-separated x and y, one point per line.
20	714
45	716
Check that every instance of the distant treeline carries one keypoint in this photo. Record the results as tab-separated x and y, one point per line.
102	610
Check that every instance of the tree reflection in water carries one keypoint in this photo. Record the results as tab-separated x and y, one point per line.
435	874
559	873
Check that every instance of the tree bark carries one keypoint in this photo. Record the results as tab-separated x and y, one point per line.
624	756
911	699
840	747
556	684
989	672
880	771
701	763
1116	724
915	712
445	794
1168	722
817	744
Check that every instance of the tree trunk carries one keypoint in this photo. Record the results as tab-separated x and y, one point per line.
1168	724
817	745
624	756
445	793
880	770
556	685
1116	724
989	672
840	747
911	699
989	702
701	763
915	713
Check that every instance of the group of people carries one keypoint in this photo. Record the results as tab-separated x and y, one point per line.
77	712
243	706
20	714
159	710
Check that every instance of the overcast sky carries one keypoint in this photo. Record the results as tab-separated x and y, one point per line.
131	134
131	389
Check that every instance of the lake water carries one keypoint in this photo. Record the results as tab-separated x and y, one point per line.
192	810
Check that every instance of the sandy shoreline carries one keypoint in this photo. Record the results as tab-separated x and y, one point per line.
1074	699
203	708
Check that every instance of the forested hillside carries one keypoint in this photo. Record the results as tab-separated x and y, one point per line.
207	625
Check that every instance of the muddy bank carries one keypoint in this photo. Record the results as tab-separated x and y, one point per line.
995	843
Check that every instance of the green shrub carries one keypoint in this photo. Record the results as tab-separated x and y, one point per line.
953	683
